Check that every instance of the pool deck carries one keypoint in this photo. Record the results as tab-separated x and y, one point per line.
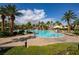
32	41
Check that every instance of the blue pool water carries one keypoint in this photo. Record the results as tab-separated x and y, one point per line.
47	34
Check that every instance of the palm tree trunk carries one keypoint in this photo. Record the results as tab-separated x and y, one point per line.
11	25
75	27
3	24
69	27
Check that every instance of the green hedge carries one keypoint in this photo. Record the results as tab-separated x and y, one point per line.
5	34
76	31
20	32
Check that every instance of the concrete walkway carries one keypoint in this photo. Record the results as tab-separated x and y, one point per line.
15	40
31	41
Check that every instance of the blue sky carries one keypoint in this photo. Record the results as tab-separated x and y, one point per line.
52	10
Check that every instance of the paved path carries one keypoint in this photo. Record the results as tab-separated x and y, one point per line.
31	41
15	40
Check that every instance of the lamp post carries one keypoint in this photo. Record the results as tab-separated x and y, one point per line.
78	46
25	43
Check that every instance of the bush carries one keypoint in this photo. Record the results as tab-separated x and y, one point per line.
15	33
76	31
5	34
29	32
21	32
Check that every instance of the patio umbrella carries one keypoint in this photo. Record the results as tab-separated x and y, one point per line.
65	27
58	27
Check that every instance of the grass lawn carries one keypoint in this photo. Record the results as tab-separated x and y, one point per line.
53	49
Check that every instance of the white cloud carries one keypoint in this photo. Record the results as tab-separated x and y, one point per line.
39	14
33	16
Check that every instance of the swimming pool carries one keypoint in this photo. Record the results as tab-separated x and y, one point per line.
47	34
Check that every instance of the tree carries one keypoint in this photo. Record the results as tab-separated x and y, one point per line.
3	16
58	23
29	25
76	24
12	12
48	23
42	25
68	16
51	22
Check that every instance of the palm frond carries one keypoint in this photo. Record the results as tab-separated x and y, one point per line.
69	15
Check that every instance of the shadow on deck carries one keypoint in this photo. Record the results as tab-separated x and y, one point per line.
18	40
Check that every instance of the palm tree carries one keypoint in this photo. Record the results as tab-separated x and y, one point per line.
57	23
48	23
2	13
11	13
42	25
76	24
51	22
29	25
68	16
